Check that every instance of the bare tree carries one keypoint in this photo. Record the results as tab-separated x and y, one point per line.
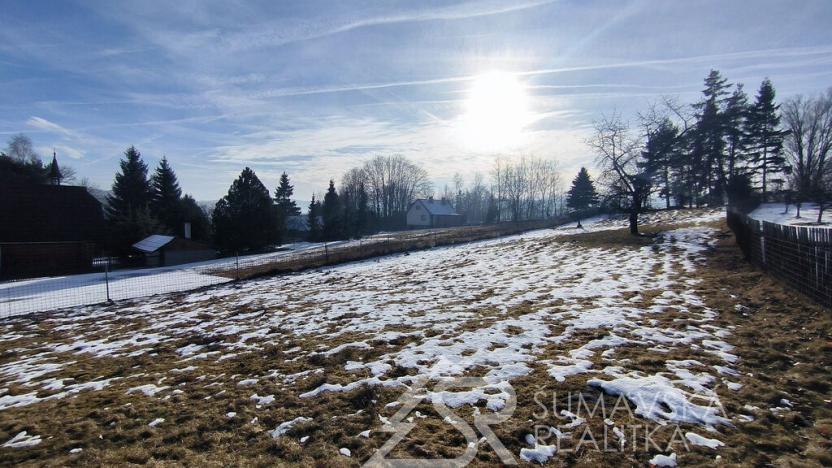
527	188
618	155
21	148
392	183
808	144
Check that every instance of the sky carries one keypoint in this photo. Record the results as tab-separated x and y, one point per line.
314	88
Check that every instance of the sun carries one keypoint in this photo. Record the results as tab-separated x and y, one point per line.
496	113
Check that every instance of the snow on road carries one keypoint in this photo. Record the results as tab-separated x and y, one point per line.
496	307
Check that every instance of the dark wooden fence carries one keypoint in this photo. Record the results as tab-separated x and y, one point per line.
799	255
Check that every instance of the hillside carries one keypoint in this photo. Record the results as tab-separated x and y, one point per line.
672	335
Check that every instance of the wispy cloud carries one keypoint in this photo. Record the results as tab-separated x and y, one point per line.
47	126
315	87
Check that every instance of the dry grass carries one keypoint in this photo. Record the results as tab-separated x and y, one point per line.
782	339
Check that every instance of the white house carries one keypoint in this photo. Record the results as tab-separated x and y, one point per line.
427	212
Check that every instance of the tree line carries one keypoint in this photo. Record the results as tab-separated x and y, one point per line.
20	163
724	148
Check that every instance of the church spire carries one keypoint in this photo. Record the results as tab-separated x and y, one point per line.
55	175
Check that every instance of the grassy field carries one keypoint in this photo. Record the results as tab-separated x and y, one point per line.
305	368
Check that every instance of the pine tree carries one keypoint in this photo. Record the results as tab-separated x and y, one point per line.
245	218
131	190
736	131
283	197
313	220
492	211
661	155
711	131
333	214
128	210
195	214
765	136
582	194
166	197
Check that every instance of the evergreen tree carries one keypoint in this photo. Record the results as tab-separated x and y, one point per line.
166	198
333	214
128	210
245	218
313	220
736	132
131	190
194	214
492	211
283	197
765	136
13	170
582	194
711	132
661	155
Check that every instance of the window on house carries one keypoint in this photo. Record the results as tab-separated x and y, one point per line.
424	218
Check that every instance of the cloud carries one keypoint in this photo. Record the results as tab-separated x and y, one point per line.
710	59
280	33
61	150
47	126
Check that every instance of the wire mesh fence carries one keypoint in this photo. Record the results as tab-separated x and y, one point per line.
799	255
112	282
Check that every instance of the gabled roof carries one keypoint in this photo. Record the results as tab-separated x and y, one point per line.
153	243
437	207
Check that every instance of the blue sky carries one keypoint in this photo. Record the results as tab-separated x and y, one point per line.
316	87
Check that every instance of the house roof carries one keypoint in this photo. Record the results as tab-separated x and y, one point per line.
437	207
153	243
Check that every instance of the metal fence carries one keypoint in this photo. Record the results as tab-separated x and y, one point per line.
25	296
799	255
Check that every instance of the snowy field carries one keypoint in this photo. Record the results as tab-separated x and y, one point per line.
284	357
43	294
780	213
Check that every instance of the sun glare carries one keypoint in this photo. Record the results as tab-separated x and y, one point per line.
496	113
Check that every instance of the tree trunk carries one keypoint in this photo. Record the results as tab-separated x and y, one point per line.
634	222
820	210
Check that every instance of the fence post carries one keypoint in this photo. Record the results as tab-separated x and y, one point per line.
237	264
326	253
763	250
107	278
8	301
